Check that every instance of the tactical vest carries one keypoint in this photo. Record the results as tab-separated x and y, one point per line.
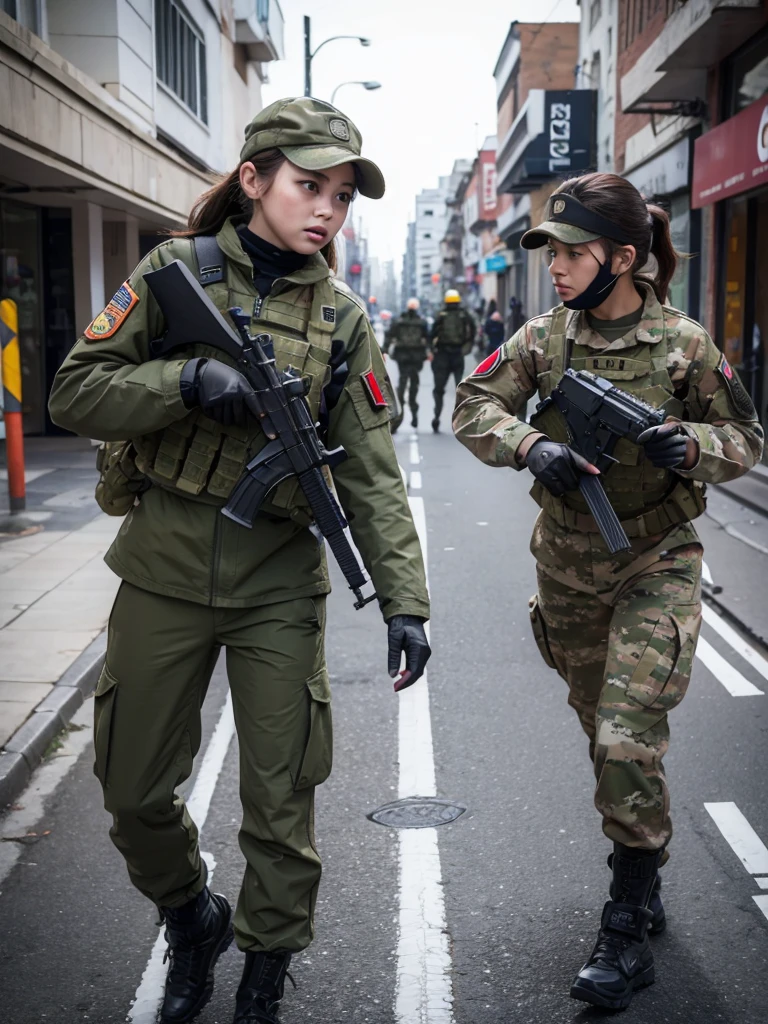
647	499
451	329
202	459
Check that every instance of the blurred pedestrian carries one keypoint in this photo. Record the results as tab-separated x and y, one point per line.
494	332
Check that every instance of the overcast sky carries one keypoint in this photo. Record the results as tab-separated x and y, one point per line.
434	59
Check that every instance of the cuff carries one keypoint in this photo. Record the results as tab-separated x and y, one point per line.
171	384
518	434
394	607
700	432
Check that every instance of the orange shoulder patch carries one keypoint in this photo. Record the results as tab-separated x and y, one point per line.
113	314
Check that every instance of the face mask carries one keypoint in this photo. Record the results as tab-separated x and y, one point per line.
598	291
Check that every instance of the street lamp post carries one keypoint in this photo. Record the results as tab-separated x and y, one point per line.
366	85
310	54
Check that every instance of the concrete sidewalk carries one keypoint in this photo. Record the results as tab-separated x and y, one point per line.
55	598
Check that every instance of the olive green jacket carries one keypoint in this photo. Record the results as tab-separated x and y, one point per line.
180	545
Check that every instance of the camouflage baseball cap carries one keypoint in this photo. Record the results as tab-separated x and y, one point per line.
314	136
570	222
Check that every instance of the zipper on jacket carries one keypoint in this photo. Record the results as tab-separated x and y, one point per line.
257	304
215	558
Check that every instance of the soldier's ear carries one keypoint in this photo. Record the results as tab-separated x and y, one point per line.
250	182
624	257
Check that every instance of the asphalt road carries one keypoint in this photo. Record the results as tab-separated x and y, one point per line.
521	879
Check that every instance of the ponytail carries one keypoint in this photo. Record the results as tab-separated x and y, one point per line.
211	210
662	250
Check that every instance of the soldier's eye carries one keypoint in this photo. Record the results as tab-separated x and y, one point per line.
310	186
344	197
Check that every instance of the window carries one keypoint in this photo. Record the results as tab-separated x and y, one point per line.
610	39
180	53
429	213
595	12
427	234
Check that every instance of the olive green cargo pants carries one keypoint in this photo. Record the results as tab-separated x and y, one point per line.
160	656
621	630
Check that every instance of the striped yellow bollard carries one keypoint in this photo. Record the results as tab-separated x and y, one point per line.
11	377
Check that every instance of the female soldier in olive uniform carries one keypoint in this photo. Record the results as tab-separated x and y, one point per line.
620	629
195	581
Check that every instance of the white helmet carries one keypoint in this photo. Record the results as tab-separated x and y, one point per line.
412	304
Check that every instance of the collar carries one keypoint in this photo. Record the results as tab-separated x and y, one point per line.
314	270
649	331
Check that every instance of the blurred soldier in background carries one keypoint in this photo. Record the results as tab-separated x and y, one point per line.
453	336
408	337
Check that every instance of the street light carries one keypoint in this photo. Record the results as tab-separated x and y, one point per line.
366	85
310	54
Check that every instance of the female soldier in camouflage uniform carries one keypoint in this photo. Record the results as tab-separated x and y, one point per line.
195	581
620	629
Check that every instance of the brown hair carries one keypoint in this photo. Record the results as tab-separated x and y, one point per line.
645	225
227	199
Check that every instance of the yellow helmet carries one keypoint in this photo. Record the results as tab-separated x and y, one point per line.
452	295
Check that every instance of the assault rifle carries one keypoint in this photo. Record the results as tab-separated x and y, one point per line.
597	414
293	447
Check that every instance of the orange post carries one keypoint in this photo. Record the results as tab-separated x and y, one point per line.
11	378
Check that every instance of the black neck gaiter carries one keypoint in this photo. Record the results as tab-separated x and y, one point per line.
598	290
268	261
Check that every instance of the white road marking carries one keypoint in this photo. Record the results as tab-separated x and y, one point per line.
415	457
762	882
29	474
424	994
481	524
744	841
150	990
737	642
725	673
44	780
415	480
762	902
706	575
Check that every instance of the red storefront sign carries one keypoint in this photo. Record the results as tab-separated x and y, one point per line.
732	158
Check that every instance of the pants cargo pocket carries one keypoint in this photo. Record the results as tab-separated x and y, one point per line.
103	717
540	632
318	753
661	676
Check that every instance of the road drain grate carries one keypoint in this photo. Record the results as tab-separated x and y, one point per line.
417	812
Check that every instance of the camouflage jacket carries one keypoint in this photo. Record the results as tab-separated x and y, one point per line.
716	409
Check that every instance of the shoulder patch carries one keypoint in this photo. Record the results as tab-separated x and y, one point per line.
329	314
373	390
737	393
489	365
113	314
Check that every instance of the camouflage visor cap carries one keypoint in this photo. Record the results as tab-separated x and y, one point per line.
315	136
570	222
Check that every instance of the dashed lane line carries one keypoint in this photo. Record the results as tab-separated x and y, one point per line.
745	843
415	480
734	640
725	673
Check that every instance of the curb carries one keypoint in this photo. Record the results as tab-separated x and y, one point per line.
25	749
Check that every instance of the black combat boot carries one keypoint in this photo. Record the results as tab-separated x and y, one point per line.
261	988
436	425
622	959
656	907
415	417
198	933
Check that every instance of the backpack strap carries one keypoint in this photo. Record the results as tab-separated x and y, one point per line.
211	261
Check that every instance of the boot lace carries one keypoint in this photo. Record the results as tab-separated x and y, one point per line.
608	949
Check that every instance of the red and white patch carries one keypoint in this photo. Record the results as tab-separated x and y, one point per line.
373	390
488	365
725	369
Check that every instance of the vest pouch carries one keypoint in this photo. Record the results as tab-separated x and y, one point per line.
120	482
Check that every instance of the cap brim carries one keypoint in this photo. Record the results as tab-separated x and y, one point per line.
568	233
321	158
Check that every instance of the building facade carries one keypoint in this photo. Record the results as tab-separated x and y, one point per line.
121	113
431	221
546	132
596	69
693	135
409	285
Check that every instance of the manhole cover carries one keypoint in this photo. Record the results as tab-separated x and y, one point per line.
417	812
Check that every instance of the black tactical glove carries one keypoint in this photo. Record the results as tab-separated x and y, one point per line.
556	466
406	633
666	446
221	391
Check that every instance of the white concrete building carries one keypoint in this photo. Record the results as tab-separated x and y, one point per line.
598	39
115	115
431	221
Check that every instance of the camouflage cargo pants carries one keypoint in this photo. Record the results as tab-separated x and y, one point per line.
621	630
